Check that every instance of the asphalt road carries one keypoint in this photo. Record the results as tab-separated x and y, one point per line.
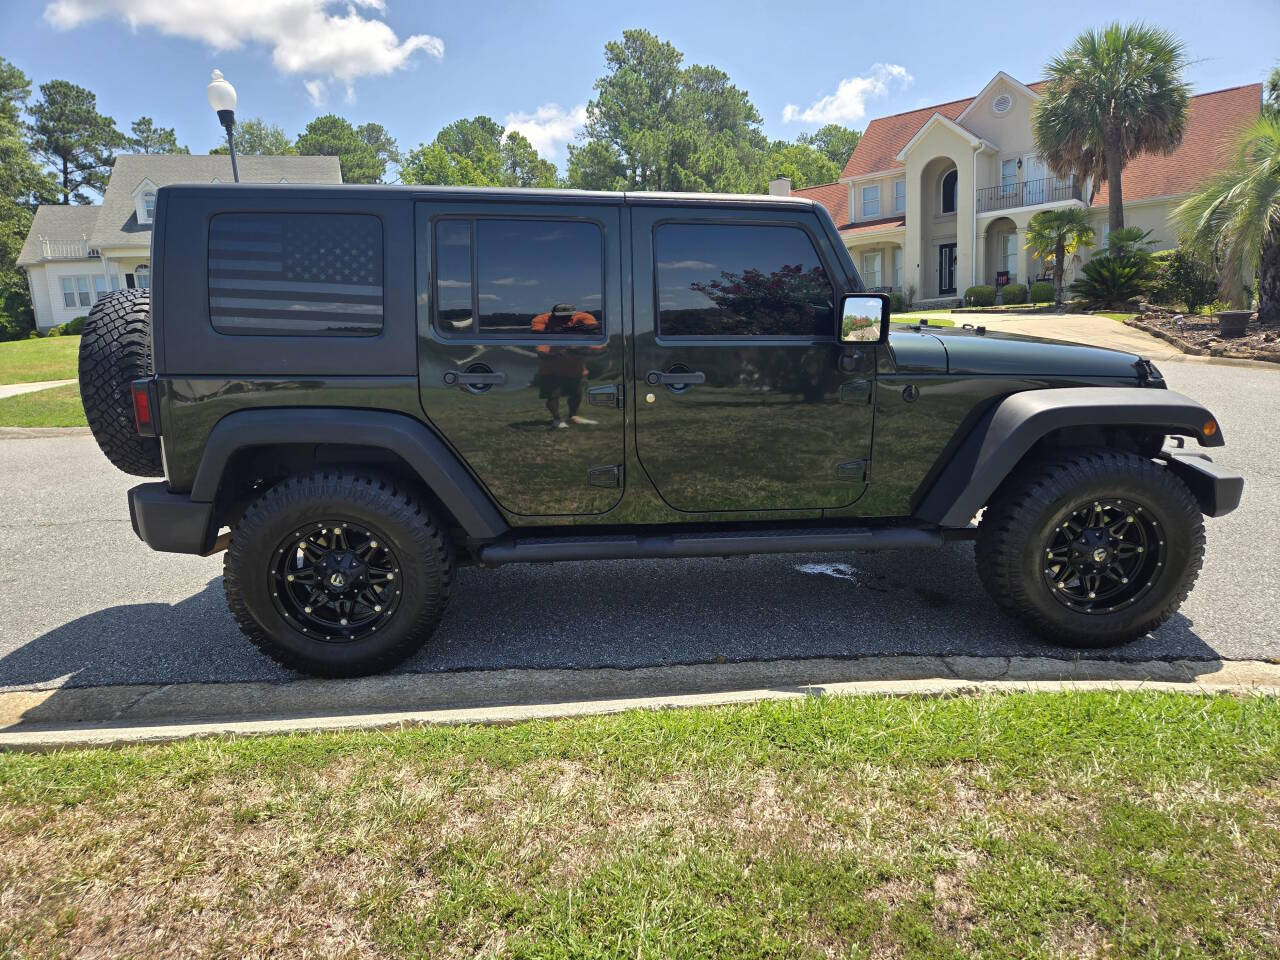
83	602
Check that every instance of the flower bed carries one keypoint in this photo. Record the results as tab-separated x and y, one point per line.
1197	334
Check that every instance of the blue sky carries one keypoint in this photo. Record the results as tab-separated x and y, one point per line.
415	66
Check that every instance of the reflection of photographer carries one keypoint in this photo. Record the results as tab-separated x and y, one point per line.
562	371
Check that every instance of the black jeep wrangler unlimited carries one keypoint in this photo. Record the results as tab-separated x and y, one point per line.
366	387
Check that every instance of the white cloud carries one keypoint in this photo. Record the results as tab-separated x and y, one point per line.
849	103
549	127
304	36
318	91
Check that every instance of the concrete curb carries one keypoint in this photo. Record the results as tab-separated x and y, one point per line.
113	716
35	433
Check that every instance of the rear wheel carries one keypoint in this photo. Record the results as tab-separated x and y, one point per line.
115	350
1091	549
337	574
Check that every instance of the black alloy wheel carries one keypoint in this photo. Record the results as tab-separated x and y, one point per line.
1103	556
338	580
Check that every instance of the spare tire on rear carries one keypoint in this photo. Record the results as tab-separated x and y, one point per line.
115	350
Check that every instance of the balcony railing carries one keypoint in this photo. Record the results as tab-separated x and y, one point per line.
66	249
1028	193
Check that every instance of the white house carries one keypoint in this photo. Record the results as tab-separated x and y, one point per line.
75	255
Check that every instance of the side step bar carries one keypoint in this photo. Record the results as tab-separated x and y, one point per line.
533	549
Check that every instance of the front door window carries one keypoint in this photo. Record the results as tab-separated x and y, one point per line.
947	268
1009	255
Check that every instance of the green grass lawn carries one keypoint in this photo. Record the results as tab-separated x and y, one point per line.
55	407
1026	825
49	358
936	318
1121	317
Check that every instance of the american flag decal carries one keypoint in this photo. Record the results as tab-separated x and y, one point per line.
295	273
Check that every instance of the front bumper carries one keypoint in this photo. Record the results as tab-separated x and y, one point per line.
1216	489
171	522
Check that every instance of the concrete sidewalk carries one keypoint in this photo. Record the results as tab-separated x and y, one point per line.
110	716
15	389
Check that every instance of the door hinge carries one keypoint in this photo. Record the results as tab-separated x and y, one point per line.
855	391
609	395
610	476
853	471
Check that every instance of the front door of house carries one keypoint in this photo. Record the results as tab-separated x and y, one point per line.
947	268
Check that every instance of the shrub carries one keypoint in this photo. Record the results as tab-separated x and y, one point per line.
1040	292
1181	278
1113	279
1014	293
74	327
54	331
898	303
982	295
32	335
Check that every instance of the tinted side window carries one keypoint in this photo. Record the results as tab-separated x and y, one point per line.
295	274
730	280
532	278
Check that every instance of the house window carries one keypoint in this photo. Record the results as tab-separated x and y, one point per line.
897	267
100	288
949	181
741	280
900	196
871	269
142	276
75	292
1009	255
1008	176
149	205
870	202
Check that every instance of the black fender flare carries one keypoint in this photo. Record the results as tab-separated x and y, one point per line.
1013	426
413	441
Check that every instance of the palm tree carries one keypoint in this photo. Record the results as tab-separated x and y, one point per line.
1235	218
1055	235
1113	94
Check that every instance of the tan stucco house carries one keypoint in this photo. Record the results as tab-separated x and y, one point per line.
939	198
75	255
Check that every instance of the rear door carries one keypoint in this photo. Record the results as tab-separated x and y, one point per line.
521	348
745	398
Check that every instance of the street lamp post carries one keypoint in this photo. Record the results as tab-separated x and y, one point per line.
222	97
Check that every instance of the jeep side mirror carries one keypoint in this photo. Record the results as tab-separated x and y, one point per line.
865	318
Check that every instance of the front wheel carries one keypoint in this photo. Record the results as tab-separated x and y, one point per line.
337	574
1091	549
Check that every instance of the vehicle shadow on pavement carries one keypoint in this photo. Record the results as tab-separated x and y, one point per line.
621	614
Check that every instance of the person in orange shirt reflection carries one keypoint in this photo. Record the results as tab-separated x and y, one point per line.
562	370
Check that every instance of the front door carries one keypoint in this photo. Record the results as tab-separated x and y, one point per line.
745	399
521	348
947	269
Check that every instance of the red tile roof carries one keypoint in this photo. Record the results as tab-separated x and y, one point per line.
875	224
833	196
1213	120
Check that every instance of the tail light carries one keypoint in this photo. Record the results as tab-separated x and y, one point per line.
144	408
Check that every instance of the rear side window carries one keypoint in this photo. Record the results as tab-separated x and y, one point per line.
740	280
295	274
519	278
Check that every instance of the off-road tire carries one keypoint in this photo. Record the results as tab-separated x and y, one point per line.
424	554
115	350
1024	512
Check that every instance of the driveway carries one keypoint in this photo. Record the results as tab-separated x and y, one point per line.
84	603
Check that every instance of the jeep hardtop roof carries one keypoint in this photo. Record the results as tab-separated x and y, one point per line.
536	194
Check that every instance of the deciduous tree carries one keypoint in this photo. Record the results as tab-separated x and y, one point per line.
834	140
333	136
256	137
479	152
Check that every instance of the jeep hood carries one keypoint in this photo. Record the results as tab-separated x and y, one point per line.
956	350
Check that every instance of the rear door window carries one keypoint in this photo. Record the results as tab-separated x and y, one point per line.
508	278
740	280
295	274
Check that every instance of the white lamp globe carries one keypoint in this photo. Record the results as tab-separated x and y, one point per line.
222	95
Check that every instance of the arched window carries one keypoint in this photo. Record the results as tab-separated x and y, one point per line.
949	191
142	276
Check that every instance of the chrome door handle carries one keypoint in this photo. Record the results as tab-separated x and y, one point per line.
681	379
460	378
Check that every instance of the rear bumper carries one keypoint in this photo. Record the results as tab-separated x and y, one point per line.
170	522
1217	490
